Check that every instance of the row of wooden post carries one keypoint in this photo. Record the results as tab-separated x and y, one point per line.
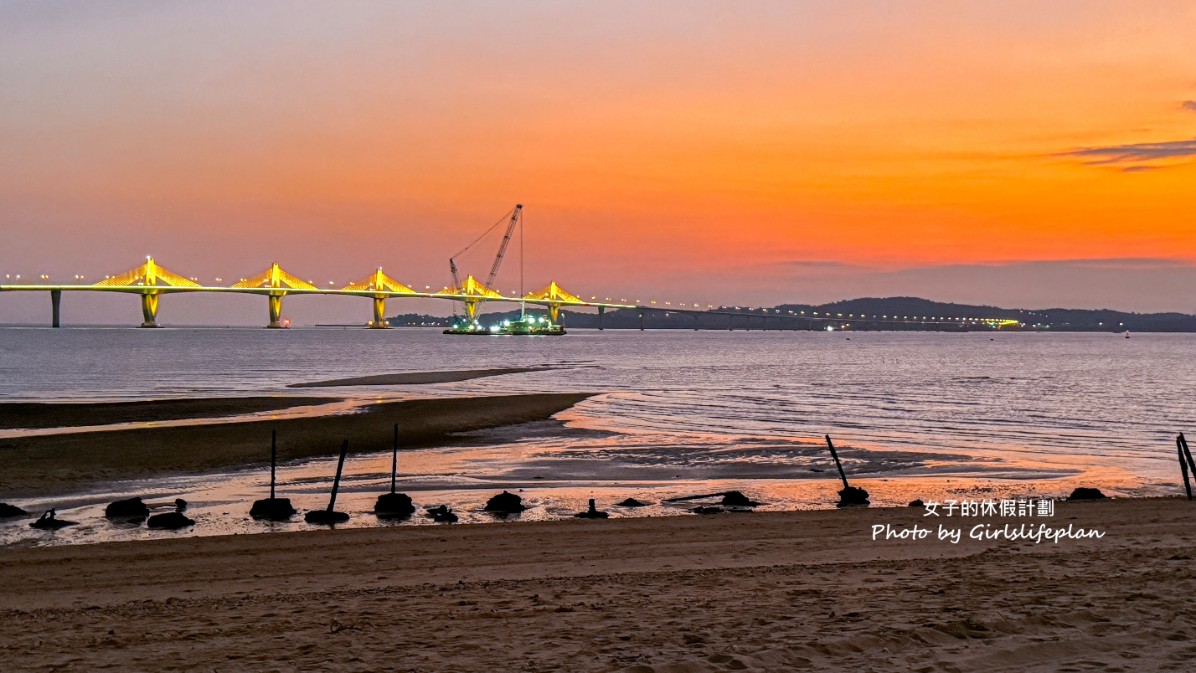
848	495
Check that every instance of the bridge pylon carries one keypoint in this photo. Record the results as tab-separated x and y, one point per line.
553	296
274	283
150	281
473	293
381	286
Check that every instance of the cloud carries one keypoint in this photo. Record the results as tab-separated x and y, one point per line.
1189	105
1106	263
1123	263
1131	157
818	268
816	264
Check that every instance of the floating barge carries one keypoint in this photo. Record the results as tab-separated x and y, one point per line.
525	326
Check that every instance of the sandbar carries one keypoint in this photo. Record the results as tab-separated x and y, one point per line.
416	378
31	415
45	465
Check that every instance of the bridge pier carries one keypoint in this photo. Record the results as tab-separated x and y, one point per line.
379	321
695	315
56	308
601	310
275	312
471	310
149	309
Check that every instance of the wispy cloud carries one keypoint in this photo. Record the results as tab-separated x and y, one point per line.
1189	105
817	264
1124	263
1121	263
1135	156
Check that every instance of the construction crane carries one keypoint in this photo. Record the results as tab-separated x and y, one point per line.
502	250
506	240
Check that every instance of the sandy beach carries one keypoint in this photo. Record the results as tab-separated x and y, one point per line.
761	592
58	463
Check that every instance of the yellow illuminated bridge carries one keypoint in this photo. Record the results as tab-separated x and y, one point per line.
151	281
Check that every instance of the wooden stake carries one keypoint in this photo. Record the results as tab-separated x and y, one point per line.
336	483
839	465
1183	467
1188	454
273	459
394	463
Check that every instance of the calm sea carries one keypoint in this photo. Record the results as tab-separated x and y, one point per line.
678	413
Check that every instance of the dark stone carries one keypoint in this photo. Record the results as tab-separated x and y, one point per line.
394	506
180	504
1083	493
442	514
917	503
49	521
132	508
592	512
505	503
632	502
707	509
852	496
323	517
737	499
8	511
169	521
272	509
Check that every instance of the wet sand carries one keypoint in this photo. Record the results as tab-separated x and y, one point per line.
31	415
416	378
756	592
50	464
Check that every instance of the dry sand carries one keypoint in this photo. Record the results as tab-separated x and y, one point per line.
29	415
53	464
758	592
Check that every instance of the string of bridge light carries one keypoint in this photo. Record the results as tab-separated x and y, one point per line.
694	306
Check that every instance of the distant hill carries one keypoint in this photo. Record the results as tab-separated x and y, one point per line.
802	316
1068	319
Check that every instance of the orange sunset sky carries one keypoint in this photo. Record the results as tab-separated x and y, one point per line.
1017	153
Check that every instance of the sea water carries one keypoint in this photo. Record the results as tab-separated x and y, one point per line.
675	413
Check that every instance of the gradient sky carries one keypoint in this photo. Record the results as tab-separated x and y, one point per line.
1021	153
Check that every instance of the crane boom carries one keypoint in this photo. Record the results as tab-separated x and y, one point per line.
456	276
472	303
502	248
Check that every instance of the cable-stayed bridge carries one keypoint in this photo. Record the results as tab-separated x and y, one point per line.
151	281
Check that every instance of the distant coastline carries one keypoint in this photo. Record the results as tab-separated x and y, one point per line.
884	314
